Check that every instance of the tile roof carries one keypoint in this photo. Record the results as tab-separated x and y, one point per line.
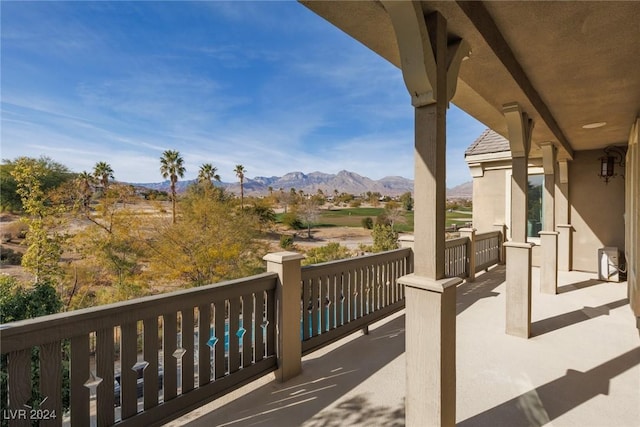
488	142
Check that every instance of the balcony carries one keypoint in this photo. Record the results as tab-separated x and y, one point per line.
580	368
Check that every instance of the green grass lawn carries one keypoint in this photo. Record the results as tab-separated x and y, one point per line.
352	217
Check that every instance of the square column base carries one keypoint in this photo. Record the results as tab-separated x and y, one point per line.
518	289
430	350
549	262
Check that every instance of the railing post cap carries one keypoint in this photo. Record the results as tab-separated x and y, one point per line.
281	257
427	284
520	245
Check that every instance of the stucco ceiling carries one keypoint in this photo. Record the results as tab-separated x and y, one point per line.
566	63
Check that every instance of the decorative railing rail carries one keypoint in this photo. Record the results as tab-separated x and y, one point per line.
340	297
175	352
487	249
455	257
471	253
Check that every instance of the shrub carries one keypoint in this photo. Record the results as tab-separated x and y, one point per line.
384	238
355	204
286	241
291	220
362	248
18	303
9	257
367	223
330	252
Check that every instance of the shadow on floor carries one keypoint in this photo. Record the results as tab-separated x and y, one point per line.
543	404
359	411
483	287
579	285
324	380
573	317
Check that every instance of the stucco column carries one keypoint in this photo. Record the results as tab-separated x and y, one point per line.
430	68
549	237
518	251
288	314
519	197
632	219
563	219
430	298
518	277
549	262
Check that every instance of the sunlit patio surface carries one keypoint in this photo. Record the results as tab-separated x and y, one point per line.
580	368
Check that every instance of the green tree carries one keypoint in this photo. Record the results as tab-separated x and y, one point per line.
9	198
44	243
103	172
384	238
407	201
266	216
172	167
111	246
53	175
240	173
19	303
212	242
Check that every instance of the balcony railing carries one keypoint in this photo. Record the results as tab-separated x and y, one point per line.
487	249
150	360
470	253
456	262
343	296
196	344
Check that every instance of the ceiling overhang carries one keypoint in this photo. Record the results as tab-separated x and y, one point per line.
567	64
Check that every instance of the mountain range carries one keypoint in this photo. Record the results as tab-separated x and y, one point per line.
343	181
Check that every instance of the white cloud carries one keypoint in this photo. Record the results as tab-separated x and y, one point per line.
309	99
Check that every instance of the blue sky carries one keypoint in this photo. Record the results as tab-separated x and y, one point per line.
269	85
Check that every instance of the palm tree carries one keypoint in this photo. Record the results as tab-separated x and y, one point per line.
240	171
208	173
172	167
85	182
102	172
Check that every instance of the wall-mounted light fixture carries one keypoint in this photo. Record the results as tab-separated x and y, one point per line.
612	156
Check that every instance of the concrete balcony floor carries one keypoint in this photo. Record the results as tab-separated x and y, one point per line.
580	368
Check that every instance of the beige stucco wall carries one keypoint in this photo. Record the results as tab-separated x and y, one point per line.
597	209
489	200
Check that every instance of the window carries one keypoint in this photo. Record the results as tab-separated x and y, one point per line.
534	205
